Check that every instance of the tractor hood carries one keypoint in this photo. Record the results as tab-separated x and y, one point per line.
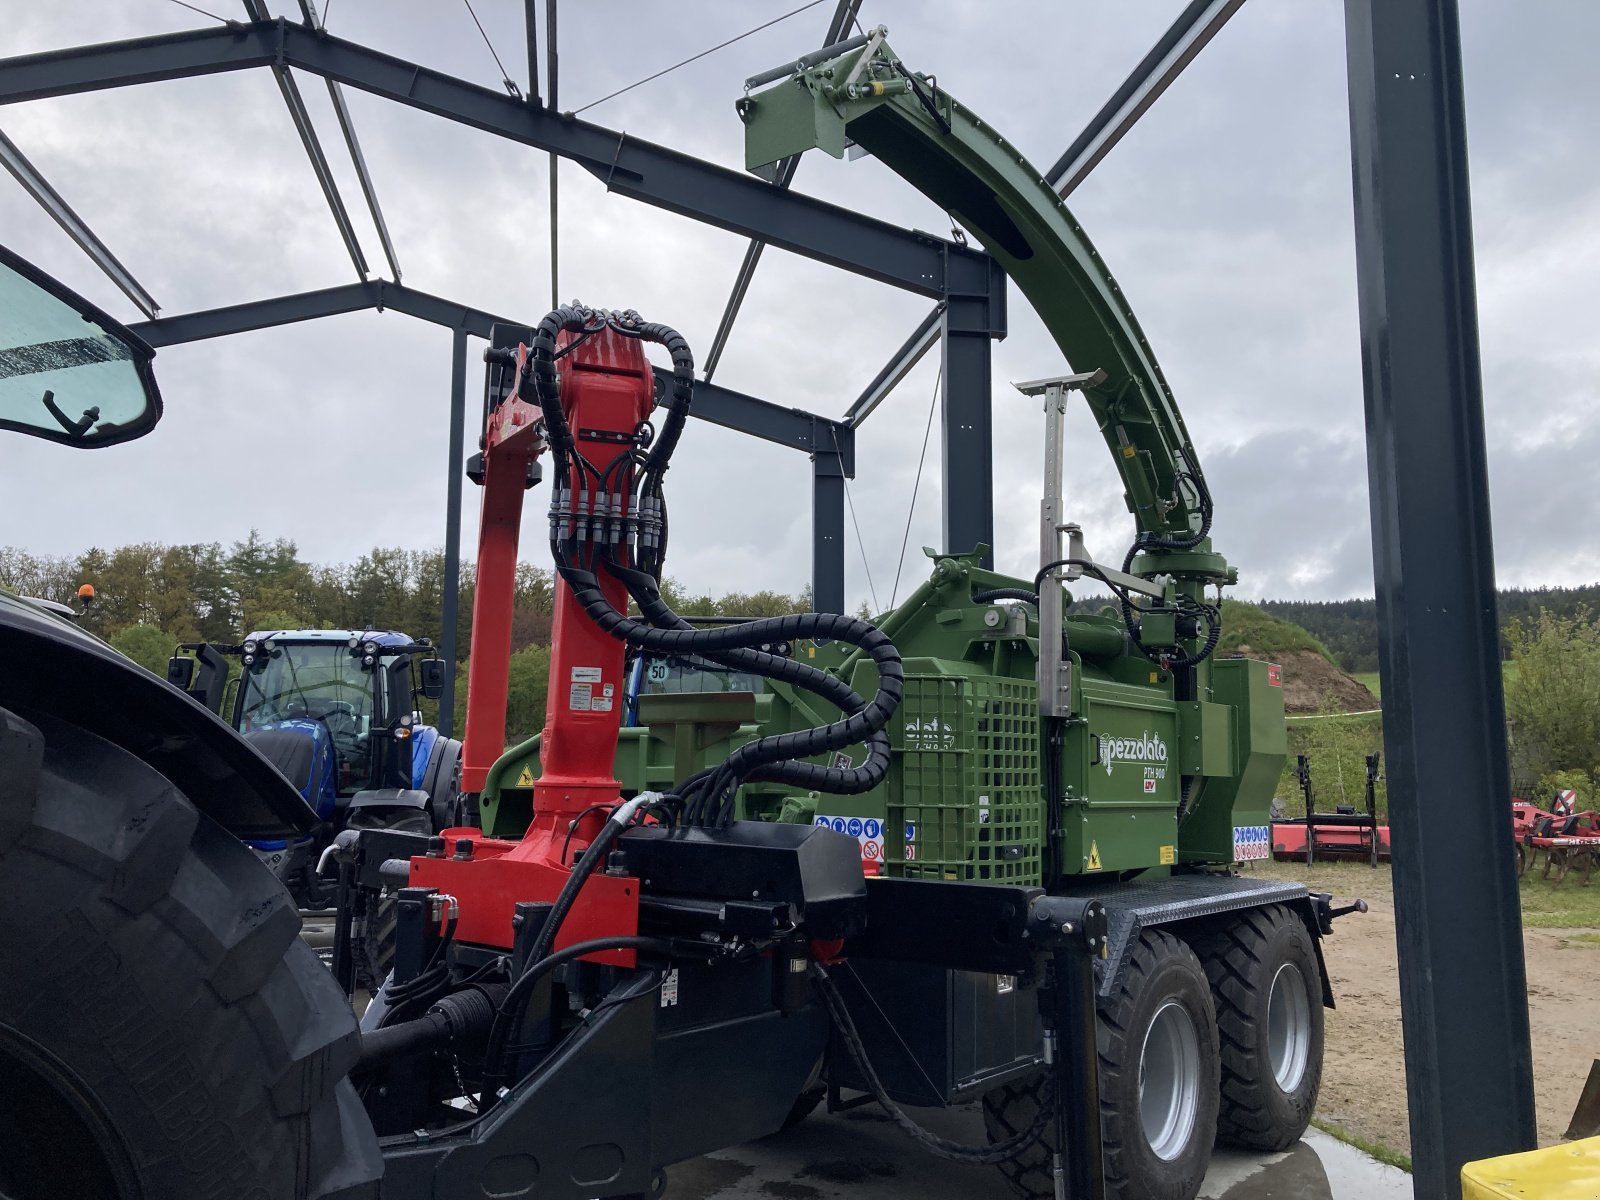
49	664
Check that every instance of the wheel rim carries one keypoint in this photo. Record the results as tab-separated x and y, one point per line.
1288	1027
45	1107
1169	1080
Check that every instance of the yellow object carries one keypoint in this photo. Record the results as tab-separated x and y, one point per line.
1094	856
1169	855
1570	1171
526	778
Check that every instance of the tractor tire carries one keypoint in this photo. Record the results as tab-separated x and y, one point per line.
170	1034
1268	995
1158	1041
373	943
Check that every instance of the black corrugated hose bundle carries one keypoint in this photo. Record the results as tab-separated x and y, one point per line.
607	520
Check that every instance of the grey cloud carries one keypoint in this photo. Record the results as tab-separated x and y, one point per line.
1225	214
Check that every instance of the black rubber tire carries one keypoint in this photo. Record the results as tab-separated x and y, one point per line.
1160	967
166	991
1242	954
373	943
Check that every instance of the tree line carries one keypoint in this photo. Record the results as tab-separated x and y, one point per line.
150	597
1349	628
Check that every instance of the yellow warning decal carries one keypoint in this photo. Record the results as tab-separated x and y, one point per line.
1094	857
526	778
1169	855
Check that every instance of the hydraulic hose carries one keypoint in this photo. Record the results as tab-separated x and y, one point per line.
516	998
598	519
997	1152
716	806
582	869
457	1017
1006	593
837	780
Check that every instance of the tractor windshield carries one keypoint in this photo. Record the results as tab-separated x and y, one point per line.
319	681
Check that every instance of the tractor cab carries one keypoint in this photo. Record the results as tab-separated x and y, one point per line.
352	691
335	710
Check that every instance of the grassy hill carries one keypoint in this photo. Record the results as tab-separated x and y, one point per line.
1268	637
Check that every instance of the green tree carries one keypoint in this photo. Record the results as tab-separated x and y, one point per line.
146	645
1336	745
1553	694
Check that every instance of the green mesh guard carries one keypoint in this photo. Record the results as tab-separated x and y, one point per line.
965	781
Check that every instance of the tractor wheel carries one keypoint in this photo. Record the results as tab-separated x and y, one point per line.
1158	1083
171	1035
373	943
1268	995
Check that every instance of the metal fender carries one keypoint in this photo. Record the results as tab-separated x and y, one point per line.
52	666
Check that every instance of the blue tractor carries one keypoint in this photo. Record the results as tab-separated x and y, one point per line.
336	712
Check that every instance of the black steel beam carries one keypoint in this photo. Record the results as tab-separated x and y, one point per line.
1185	38
680	183
718	405
260	314
530	29
455	468
844	14
552	70
967	431
827	532
923	338
341	112
313	147
37	186
1463	990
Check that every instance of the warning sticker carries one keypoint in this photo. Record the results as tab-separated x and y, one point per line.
669	988
1251	842
868	832
600	704
526	778
580	697
585	674
1274	675
1169	855
1093	862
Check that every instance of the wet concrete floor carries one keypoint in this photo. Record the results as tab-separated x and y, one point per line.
860	1155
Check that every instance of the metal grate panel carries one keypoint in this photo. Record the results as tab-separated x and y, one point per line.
965	796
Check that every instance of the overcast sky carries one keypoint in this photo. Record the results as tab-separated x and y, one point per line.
1226	216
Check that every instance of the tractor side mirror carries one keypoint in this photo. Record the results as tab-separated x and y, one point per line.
433	678
69	372
180	671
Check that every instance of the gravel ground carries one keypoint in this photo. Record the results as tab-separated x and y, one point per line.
1363	1082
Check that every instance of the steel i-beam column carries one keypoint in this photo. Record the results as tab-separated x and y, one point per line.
452	529
827	532
967	428
1463	997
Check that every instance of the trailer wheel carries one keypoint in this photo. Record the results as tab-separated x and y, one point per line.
171	1034
1158	1083
373	943
1268	994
